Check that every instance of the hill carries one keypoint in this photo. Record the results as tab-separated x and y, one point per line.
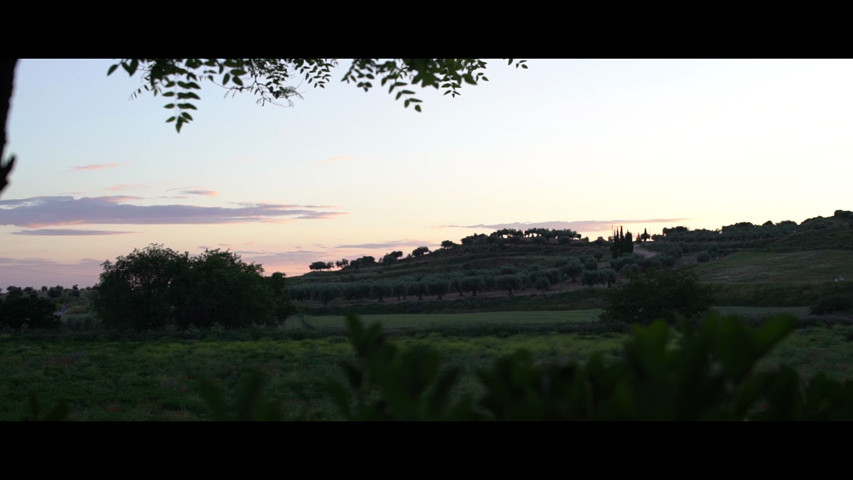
557	269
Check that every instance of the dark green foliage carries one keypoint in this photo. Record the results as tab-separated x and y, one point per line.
508	282
628	259
438	286
156	286
321	266
364	261
284	307
706	373
391	257
134	291
661	294
703	257
573	269
250	404
594	277
178	80
590	277
380	289
27	310
474	284
834	297
621	243
218	287
385	383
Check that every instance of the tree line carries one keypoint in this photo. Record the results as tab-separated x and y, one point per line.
590	270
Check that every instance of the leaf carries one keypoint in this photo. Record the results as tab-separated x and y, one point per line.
112	69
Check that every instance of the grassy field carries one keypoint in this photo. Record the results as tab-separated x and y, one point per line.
439	321
155	378
801	267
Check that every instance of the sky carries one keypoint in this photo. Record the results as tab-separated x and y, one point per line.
586	144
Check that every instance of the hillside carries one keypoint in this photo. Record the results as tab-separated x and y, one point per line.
556	269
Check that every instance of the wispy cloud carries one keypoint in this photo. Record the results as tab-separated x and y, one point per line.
196	191
206	193
123	186
67	231
388	244
37	212
94	166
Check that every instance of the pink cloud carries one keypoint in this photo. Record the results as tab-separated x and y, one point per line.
36	212
94	166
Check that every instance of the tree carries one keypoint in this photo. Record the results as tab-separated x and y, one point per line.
19	309
320	266
508	282
179	81
392	257
420	251
157	286
133	292
284	307
662	294
268	78
218	287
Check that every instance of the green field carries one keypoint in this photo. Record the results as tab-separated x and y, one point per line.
155	378
801	267
439	321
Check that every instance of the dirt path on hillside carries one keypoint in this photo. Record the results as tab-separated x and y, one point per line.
643	252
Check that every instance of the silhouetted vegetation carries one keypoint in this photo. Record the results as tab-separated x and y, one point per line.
156	286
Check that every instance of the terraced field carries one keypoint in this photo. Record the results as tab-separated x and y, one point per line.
802	267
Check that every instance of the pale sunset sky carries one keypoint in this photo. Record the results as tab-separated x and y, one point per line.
568	143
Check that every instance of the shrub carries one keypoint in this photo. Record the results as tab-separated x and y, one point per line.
662	294
542	283
27	311
710	374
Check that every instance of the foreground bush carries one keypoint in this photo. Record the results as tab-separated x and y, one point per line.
709	374
706	371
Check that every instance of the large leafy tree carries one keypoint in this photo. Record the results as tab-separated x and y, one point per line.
272	80
156	286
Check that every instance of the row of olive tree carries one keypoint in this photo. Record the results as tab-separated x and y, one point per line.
157	286
507	278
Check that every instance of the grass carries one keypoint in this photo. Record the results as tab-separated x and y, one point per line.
155	378
437	321
801	267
